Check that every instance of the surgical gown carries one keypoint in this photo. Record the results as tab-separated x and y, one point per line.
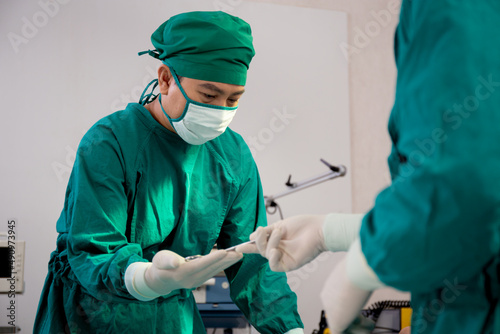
435	231
135	189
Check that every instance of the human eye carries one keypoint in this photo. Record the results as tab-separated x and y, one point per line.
208	96
232	102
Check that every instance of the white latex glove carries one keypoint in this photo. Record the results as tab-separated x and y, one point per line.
289	244
342	300
293	242
169	271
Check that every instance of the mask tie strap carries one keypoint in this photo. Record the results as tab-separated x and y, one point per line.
148	98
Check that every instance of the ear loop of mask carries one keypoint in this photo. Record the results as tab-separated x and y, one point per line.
170	120
148	98
188	100
166	115
178	83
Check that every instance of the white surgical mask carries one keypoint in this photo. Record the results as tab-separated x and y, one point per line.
200	122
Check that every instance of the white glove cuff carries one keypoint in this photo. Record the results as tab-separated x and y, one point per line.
340	230
136	283
358	271
295	331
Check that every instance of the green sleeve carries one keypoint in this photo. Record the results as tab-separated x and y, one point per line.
95	217
439	220
261	294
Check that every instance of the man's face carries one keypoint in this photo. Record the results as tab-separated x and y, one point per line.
209	92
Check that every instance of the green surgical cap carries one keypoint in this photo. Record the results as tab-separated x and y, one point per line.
210	46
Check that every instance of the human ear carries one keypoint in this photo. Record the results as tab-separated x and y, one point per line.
164	79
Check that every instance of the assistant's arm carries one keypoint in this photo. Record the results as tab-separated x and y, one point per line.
439	220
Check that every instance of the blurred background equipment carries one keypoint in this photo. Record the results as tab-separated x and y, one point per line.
334	172
383	317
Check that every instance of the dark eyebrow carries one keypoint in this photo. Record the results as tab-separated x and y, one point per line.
216	89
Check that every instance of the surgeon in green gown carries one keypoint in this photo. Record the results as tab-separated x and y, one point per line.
435	230
159	181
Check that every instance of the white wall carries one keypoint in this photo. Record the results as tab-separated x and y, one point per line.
65	64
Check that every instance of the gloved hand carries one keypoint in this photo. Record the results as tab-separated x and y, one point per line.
169	271
289	244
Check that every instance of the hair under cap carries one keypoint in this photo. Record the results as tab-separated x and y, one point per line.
211	46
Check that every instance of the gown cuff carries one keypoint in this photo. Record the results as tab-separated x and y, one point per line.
358	271
340	230
136	284
295	331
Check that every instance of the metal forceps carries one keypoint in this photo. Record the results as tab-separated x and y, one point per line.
244	243
233	248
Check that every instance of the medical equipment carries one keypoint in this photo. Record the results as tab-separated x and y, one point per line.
334	172
216	307
389	315
244	243
233	248
323	325
386	316
192	257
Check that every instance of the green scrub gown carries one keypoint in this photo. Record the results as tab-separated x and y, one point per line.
135	189
435	231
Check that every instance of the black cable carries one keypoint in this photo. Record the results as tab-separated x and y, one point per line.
268	210
281	213
276	207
